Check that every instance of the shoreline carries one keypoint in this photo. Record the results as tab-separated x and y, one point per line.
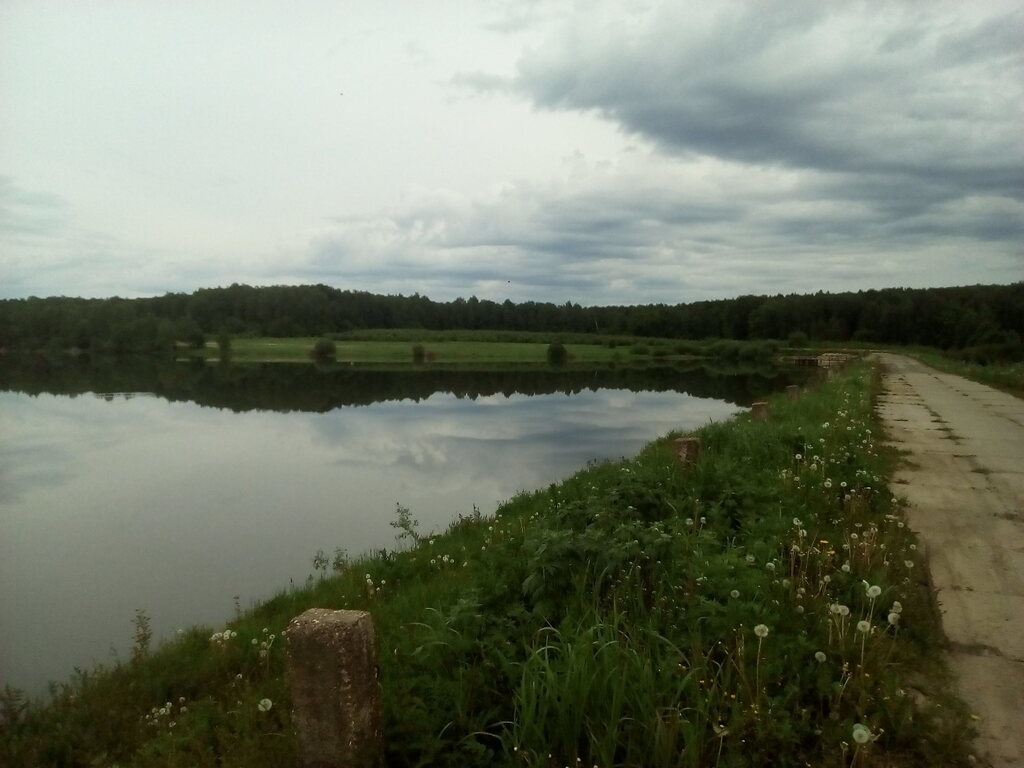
464	617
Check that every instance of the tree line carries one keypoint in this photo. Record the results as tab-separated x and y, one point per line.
981	321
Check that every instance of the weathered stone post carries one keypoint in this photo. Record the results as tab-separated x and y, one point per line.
793	392
759	410
332	671
687	450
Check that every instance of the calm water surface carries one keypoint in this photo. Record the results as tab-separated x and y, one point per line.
175	489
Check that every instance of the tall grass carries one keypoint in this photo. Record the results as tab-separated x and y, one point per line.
1007	376
763	607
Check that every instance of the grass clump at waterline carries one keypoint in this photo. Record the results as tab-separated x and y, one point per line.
763	607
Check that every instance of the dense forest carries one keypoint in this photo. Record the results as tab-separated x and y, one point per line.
981	322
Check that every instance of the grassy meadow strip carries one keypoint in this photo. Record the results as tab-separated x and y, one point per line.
1007	376
766	606
468	347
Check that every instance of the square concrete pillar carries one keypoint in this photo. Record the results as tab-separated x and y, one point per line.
331	659
759	411
687	450
793	392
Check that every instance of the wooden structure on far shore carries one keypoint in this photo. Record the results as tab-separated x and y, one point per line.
824	360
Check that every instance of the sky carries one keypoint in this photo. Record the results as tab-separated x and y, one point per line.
595	152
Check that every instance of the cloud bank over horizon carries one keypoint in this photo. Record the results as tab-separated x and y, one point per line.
600	153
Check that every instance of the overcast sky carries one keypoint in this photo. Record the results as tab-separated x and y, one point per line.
601	153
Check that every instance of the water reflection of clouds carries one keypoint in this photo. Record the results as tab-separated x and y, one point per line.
502	445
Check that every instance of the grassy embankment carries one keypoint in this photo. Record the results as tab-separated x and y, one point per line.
1008	377
764	607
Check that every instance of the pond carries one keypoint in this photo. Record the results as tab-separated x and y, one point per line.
186	490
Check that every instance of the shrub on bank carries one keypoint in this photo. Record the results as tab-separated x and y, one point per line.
324	349
557	354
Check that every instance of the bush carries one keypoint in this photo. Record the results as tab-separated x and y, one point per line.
224	345
639	349
557	353
324	349
798	339
419	353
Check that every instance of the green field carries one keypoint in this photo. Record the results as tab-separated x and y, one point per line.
763	607
394	346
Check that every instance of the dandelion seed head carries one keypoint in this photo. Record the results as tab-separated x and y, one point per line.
820	656
863	626
265	705
761	630
861	734
874	591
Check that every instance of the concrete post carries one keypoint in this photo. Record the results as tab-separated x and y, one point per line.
331	659
793	392
759	411
687	450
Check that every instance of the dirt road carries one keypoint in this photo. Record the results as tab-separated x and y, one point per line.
964	479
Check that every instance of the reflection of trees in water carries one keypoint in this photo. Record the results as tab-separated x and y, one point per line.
301	387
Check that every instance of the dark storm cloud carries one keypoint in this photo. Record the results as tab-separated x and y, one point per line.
26	213
858	145
864	88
